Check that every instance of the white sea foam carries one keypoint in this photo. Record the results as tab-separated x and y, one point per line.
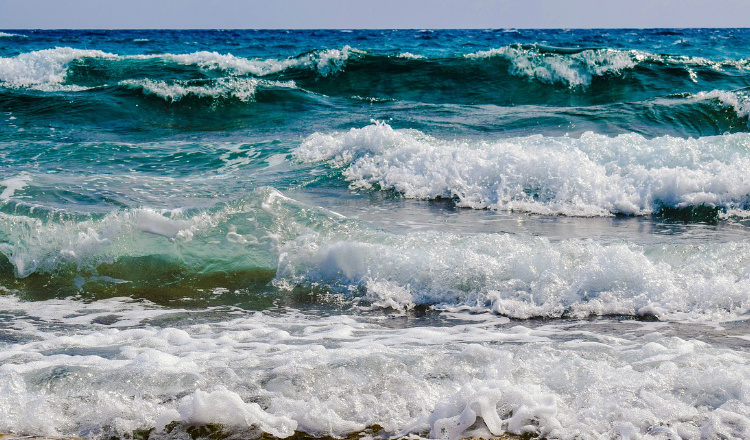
512	275
523	277
44	70
410	56
332	375
590	176
227	408
7	35
14	184
243	89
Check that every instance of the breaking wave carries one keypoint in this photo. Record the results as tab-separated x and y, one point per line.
594	175
474	77
277	240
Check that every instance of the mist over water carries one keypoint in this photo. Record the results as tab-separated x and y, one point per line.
423	233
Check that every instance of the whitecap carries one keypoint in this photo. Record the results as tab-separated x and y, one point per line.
44	70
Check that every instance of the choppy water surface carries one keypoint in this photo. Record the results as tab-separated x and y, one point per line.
410	233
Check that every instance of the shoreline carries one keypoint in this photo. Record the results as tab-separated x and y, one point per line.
218	432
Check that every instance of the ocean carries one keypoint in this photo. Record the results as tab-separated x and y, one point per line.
375	233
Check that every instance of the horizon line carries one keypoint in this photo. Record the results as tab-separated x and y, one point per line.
372	29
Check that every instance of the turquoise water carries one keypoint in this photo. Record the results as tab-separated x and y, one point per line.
442	233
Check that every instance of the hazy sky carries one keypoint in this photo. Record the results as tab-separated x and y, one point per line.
384	14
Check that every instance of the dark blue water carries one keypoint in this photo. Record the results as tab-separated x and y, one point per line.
433	221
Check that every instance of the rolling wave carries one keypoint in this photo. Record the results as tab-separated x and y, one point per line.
479	77
272	239
48	69
595	175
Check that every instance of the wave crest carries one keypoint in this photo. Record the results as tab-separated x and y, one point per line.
44	70
738	100
574	69
325	61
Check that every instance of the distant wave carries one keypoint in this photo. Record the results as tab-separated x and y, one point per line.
592	176
46	69
410	56
577	67
573	68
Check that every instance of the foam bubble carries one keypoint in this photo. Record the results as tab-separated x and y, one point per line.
594	175
410	56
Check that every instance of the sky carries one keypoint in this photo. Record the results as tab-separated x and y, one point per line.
370	14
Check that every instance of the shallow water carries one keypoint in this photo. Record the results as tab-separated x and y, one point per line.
441	233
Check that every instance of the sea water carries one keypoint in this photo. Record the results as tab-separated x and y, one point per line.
395	233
